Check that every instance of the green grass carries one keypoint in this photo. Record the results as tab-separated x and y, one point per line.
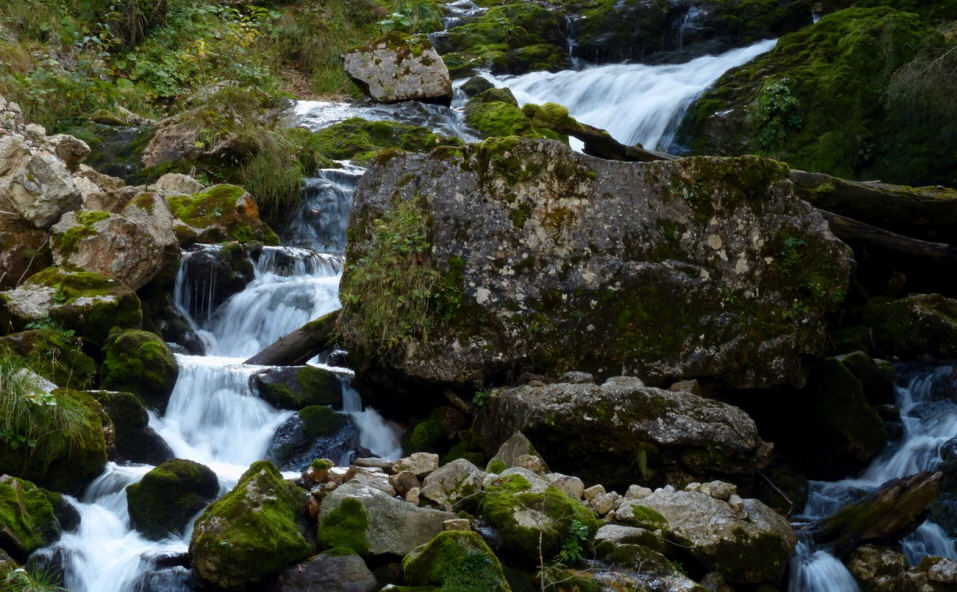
48	425
30	580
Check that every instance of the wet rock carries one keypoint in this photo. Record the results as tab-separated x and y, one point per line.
399	68
295	387
27	519
368	521
454	557
876	376
136	441
140	363
329	573
314	432
877	569
750	545
253	532
918	325
540	257
452	483
213	275
168	497
617	435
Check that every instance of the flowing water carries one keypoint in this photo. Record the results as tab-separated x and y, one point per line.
635	103
927	399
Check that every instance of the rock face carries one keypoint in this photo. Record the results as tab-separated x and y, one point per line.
36	184
540	258
87	303
167	497
216	273
399	68
27	519
141	363
23	251
252	532
920	324
368	521
451	483
743	540
618	434
329	573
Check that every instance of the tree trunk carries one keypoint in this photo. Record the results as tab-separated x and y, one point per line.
298	347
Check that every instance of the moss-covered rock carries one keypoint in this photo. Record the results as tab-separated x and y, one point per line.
86	303
296	387
53	354
911	327
219	213
141	363
456	561
68	459
167	497
360	139
819	101
532	521
252	532
27	519
495	113
135	441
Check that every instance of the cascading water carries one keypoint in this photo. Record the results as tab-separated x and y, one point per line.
927	399
635	103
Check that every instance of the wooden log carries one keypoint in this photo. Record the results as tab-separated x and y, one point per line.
885	516
299	346
599	143
925	213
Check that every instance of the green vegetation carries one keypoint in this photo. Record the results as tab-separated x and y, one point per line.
53	353
345	527
27	518
358	139
30	580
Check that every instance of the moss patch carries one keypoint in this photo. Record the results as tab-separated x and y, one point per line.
345	527
456	561
141	363
27	519
169	496
319	421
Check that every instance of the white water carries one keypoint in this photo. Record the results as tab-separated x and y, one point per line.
929	422
635	103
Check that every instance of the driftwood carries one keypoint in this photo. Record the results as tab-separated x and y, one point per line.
599	143
890	513
299	346
925	213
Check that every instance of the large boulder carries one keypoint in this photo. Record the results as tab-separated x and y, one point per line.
621	432
211	275
557	261
35	183
133	246
329	573
399	68
369	521
252	532
530	517
27	518
314	432
84	302
743	540
911	327
295	387
23	251
450	484
455	560
216	214
141	363
167	497
134	440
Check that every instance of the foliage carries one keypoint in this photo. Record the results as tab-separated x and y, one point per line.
47	425
573	545
413	16
30	580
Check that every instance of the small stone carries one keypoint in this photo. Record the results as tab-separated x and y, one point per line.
737	504
693	487
412	496
312	506
637	492
603	503
420	463
718	490
577	378
687	386
457	524
571	486
405	482
375	463
625	381
531	462
593	492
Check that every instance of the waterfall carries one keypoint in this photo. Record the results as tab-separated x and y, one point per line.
930	420
375	433
635	103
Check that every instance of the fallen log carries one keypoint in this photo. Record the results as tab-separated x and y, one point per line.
928	267
925	213
301	345
884	516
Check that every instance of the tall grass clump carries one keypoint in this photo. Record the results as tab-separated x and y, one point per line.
30	580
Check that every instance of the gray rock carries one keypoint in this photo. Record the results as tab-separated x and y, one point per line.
398	68
178	183
577	263
35	184
394	527
572	486
420	464
512	449
596	432
878	569
72	151
452	483
346	573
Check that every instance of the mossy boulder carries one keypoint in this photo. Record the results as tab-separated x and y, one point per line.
314	432
167	497
495	113
23	251
831	98
295	387
141	363
88	304
519	273
55	355
252	532
400	68
27	519
455	561
135	441
336	571
360	139
219	213
531	520
911	327
212	275
61	461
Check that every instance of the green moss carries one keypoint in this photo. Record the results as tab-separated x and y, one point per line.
456	561
339	552
55	355
426	436
313	386
647	518
167	497
66	243
359	139
504	501
345	527
496	118
141	363
319	421
496	467
321	464
207	207
27	519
